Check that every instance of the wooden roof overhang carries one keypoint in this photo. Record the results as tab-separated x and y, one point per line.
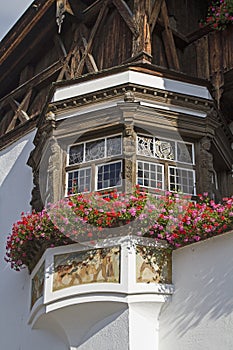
29	21
38	23
28	38
24	40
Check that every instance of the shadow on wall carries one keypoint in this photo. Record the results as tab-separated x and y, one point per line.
98	336
203	280
15	181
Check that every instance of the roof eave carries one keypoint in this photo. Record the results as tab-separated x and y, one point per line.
23	26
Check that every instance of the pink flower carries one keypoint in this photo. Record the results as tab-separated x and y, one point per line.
133	211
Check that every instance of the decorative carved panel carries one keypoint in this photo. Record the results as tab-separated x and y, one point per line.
153	265
92	266
37	285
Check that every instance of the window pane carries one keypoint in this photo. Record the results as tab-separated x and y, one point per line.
79	181
145	146
184	152
109	175
76	154
114	146
150	175
95	150
165	149
183	181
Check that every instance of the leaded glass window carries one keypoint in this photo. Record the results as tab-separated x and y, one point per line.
114	146
85	169
168	166
185	152
109	175
95	149
173	150
164	149
76	154
145	146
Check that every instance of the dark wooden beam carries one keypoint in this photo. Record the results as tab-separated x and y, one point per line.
155	14
141	48
102	13
20	112
36	80
169	44
28	21
127	15
24	55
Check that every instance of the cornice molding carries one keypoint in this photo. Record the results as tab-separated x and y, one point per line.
140	92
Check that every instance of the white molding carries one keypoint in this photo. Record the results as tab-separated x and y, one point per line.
78	111
132	77
172	108
105	106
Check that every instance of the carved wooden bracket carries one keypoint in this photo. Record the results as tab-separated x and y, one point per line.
62	7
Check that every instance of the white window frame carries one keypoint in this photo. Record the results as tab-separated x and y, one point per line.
149	180
96	175
94	164
176	148
185	169
72	171
84	149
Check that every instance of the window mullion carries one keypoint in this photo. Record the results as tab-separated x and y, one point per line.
105	147
94	174
84	152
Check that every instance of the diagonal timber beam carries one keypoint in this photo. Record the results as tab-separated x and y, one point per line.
22	115
73	49
20	112
169	44
127	15
155	14
74	63
101	16
90	61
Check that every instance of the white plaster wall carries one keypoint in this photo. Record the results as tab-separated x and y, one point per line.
200	316
109	334
15	194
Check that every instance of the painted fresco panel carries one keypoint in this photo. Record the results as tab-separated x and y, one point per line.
37	285
92	266
153	265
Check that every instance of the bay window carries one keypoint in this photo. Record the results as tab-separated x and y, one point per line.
97	165
94	165
165	164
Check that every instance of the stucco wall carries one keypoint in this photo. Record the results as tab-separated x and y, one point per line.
15	193
111	333
200	315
